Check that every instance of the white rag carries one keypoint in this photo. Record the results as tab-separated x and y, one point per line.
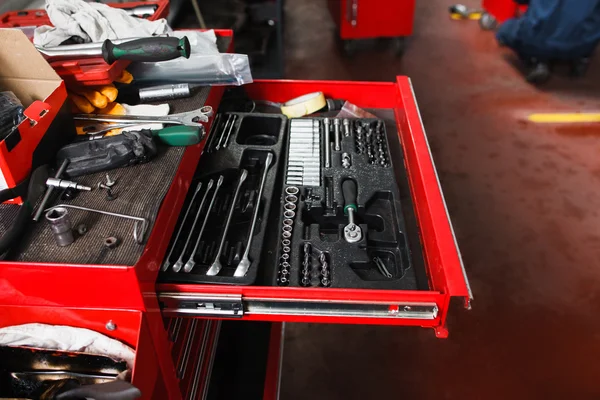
93	22
146	110
66	338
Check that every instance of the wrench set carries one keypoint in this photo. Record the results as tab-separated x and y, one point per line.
221	231
339	219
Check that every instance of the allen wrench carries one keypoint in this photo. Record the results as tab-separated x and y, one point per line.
138	237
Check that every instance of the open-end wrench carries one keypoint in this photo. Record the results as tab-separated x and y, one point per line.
219	144
179	263
189	265
216	266
235	118
244	264
213	132
190	118
166	264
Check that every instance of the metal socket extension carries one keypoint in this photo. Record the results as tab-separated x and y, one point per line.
60	224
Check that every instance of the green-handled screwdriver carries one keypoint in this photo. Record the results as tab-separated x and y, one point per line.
151	49
177	135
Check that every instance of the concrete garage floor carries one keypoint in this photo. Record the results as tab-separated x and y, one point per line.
524	200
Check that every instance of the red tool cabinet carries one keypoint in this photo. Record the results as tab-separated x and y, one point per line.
174	326
366	19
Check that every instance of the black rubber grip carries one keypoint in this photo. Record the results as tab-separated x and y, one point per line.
350	192
151	49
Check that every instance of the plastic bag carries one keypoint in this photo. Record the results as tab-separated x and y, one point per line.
206	66
219	69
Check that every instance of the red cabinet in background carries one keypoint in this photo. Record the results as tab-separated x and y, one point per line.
367	19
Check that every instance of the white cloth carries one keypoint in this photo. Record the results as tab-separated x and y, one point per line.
93	22
147	110
204	43
66	338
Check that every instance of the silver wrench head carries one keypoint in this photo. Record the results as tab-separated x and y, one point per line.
243	176
194	117
242	268
189	265
177	266
215	268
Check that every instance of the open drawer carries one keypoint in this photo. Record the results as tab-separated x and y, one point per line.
128	327
432	257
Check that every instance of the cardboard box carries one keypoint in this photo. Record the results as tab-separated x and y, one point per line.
48	124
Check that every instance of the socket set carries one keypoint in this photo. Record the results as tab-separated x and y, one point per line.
219	237
349	228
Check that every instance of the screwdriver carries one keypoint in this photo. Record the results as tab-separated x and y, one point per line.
151	49
147	49
352	232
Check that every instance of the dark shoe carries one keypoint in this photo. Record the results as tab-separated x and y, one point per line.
539	73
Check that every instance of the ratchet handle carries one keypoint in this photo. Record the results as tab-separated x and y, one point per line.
151	49
350	193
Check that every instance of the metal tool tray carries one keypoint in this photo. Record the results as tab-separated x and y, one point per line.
445	276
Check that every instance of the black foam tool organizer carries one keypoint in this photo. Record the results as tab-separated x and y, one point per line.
385	211
239	141
317	237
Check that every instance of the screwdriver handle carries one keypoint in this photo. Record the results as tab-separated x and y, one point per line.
179	135
150	49
349	191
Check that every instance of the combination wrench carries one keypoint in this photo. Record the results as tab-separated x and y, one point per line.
244	264
216	266
166	264
190	264
190	118
179	263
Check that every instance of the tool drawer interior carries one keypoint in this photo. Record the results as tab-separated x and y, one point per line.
322	218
